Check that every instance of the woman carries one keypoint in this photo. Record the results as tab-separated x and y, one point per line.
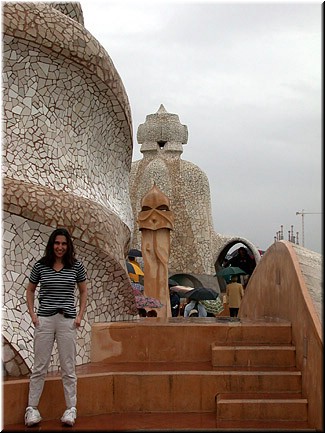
58	272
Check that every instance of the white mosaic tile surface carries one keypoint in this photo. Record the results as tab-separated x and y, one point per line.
67	149
110	294
68	124
311	265
195	245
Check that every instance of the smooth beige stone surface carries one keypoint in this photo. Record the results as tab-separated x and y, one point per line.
280	287
155	222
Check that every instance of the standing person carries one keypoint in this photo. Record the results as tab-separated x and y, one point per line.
243	261
175	302
234	293
58	272
139	275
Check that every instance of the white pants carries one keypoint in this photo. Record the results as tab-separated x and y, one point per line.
64	331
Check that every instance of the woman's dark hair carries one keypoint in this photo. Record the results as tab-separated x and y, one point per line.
49	257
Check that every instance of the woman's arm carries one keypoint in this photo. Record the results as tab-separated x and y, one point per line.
82	302
30	297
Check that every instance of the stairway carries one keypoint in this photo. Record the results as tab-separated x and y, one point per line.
275	409
242	372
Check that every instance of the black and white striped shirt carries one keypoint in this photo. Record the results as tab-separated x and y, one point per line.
57	288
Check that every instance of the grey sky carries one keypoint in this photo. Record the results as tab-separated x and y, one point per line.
246	80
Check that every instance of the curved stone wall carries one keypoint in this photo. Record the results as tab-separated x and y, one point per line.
68	124
67	150
287	285
72	10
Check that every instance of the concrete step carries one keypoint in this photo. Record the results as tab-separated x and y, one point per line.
161	366
139	389
263	425
159	340
272	407
253	356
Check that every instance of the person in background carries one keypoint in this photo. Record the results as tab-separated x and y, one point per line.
234	293
195	305
57	272
243	261
139	275
175	302
142	312
152	313
182	308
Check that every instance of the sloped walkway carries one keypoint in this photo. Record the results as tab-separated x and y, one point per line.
147	422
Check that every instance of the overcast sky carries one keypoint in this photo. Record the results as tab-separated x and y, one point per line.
246	80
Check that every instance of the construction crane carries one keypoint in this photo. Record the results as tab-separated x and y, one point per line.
303	213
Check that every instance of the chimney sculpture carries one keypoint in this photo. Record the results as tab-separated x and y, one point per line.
155	222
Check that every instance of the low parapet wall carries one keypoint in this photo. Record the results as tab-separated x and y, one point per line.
280	288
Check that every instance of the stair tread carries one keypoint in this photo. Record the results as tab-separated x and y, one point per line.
263	399
265	425
88	370
283	346
156	367
259	395
181	368
102	367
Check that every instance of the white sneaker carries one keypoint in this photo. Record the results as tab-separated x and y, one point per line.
69	416
32	416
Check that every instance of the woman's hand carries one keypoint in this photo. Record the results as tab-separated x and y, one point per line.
77	321
35	319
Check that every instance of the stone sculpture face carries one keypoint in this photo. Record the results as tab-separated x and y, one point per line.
155	211
155	219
